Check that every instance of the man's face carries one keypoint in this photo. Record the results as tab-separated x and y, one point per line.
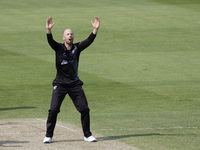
68	36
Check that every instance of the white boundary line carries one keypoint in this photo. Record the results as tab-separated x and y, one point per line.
159	128
58	125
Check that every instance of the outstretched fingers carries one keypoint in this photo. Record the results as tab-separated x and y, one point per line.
49	23
96	23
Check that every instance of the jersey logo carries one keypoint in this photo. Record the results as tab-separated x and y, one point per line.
55	87
64	62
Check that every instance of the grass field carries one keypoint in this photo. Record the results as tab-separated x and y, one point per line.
141	75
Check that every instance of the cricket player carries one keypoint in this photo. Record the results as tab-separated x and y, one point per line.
67	80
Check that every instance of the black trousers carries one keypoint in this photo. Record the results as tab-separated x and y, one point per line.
78	97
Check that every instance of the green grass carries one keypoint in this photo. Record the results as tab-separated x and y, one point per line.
141	74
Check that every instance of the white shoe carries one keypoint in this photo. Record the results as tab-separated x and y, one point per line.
47	140
90	139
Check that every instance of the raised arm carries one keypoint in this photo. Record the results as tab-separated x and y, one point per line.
49	25
96	25
84	44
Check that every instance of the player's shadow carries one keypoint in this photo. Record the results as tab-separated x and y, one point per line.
136	135
15	108
64	141
8	143
110	138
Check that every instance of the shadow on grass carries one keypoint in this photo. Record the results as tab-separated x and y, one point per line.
64	141
15	108
137	135
8	143
110	138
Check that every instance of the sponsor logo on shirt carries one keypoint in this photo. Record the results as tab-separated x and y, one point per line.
64	62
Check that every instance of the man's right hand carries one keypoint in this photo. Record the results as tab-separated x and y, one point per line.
49	25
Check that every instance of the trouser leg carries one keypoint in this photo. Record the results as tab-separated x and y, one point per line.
79	99
85	121
57	97
51	122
